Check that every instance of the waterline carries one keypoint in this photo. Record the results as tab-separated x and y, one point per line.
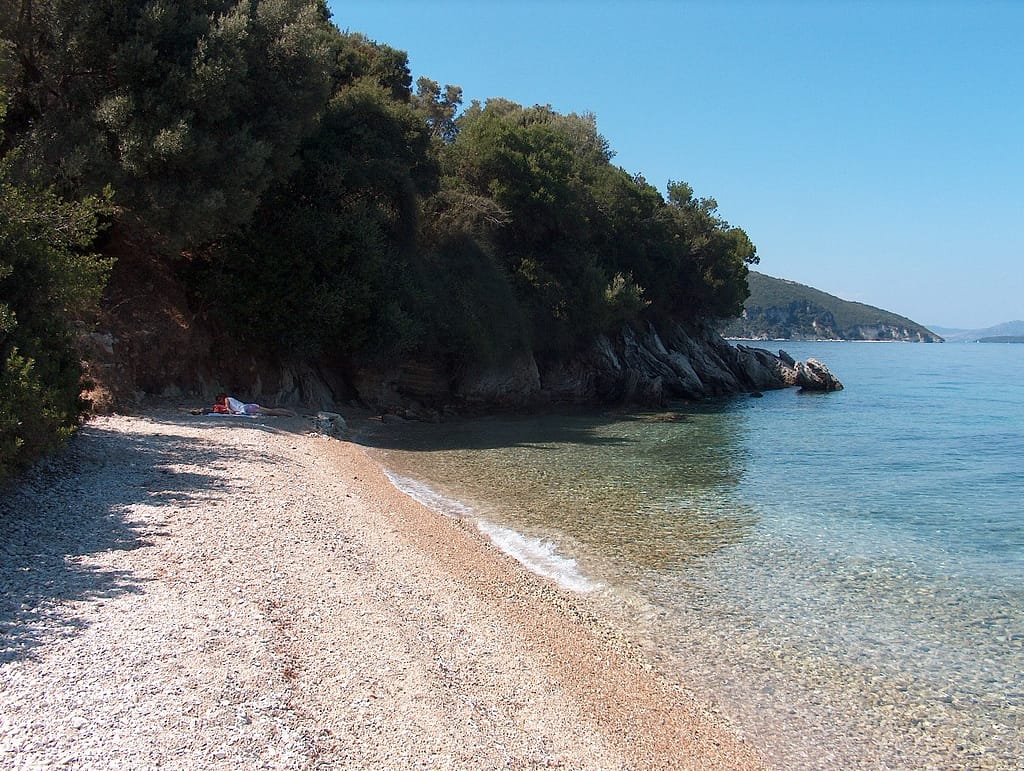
536	554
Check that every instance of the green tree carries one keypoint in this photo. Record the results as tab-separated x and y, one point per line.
712	273
324	266
49	283
538	170
189	109
437	108
360	58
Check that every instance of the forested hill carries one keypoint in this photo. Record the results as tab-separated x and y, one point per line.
225	192
778	309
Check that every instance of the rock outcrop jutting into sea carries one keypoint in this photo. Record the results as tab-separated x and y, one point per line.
640	366
636	365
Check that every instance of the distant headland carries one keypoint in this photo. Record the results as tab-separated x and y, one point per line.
778	309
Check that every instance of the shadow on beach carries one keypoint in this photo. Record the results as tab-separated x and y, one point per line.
540	430
57	520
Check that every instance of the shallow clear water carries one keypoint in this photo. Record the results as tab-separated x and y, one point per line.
843	574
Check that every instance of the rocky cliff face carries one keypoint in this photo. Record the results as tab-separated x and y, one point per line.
890	332
169	352
639	366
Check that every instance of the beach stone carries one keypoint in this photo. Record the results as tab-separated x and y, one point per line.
329	423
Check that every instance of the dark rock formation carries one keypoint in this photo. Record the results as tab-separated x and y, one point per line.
639	366
171	353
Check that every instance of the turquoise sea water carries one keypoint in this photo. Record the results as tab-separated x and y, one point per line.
841	574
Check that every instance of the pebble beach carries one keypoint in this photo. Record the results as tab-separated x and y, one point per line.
204	592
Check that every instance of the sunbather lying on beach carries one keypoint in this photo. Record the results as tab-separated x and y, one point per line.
229	405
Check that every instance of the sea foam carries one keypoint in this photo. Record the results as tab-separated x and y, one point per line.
429	497
540	556
536	554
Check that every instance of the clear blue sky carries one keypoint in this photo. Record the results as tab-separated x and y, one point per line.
874	150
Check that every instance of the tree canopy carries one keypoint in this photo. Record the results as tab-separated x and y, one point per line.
188	109
586	243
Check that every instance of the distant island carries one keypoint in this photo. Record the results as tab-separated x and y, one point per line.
778	309
1007	332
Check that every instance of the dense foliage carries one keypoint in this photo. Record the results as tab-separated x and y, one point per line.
48	281
321	208
189	109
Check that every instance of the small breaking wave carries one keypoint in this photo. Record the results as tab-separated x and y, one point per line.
540	556
424	494
536	554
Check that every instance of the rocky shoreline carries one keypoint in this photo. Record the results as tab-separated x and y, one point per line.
644	366
210	592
